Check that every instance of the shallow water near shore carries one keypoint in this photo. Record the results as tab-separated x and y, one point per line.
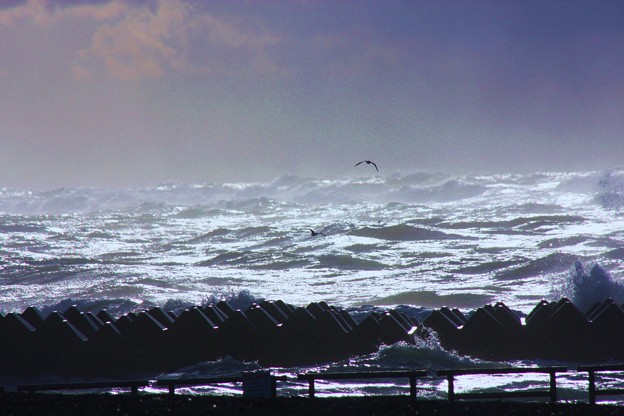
415	241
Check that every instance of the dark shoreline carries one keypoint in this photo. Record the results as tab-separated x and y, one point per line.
160	404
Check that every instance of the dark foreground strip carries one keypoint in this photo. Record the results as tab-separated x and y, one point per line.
133	385
163	404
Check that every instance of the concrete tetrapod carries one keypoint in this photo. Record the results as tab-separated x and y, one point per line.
85	344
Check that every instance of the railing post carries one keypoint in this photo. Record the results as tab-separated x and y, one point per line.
413	385
451	387
311	386
171	389
134	390
592	386
553	387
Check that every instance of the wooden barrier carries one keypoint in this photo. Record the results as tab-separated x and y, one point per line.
132	384
550	393
171	383
591	372
410	374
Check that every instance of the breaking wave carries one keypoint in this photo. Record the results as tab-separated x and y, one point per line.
585	289
611	185
402	232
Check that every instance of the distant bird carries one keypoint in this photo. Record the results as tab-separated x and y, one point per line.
368	162
313	233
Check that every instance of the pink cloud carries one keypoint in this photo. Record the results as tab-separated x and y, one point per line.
140	44
33	10
131	41
173	36
45	12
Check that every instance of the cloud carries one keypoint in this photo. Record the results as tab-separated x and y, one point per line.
135	40
47	12
174	37
140	44
33	10
235	44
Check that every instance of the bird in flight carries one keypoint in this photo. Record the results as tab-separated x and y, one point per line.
313	233
368	162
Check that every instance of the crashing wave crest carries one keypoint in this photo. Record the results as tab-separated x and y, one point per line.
585	289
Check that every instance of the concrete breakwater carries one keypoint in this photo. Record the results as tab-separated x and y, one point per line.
79	343
552	331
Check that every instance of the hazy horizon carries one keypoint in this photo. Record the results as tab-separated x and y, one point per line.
110	93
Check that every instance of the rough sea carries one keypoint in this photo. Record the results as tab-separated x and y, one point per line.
416	242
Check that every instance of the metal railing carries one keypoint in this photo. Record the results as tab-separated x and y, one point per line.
133	385
551	393
412	375
592	370
172	383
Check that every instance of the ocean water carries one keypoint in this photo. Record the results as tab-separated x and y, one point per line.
416	241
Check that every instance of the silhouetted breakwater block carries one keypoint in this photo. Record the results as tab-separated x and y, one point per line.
84	322
225	308
394	329
106	351
285	307
506	316
597	307
608	319
552	330
454	315
146	343
104	316
18	351
445	327
213	313
338	316
262	320
540	313
193	338
346	316
367	336
277	312
61	345
164	318
15	325
329	336
240	336
272	333
608	327
295	338
277	334
124	323
33	316
479	335
568	328
402	319
317	309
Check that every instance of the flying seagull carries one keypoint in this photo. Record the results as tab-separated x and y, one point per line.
313	233
368	162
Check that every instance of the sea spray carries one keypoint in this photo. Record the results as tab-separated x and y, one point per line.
237	300
611	194
585	289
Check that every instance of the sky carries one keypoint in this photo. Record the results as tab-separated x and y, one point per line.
111	93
